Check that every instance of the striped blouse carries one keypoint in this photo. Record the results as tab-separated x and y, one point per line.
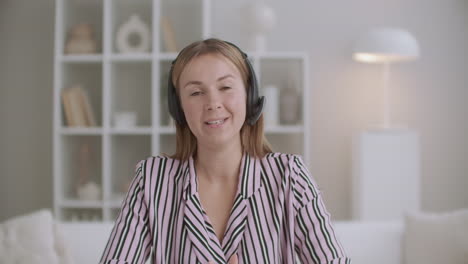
278	216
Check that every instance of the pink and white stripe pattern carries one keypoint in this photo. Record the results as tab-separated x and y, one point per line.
278	216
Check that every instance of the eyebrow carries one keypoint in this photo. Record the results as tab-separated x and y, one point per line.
219	79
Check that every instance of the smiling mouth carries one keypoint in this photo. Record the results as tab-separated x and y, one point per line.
216	122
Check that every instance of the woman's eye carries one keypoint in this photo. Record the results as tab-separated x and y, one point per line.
225	88
194	93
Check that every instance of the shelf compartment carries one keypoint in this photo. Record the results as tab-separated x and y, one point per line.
167	144
82	214
81	162
126	152
131	91
121	11
185	20
77	12
286	74
286	143
89	77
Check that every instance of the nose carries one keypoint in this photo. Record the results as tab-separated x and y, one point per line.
213	102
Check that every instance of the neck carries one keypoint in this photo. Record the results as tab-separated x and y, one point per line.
219	164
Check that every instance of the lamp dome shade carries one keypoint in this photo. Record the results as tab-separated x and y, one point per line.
386	45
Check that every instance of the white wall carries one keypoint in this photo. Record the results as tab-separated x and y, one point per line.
26	71
428	95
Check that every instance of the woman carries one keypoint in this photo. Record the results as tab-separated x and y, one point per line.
223	197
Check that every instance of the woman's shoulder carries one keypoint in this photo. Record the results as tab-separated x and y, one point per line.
295	171
164	170
282	164
160	164
284	159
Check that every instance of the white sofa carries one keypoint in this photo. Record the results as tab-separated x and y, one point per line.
429	238
365	242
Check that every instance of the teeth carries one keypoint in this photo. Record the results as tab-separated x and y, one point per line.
217	122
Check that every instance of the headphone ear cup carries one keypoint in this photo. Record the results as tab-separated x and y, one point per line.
173	102
257	110
254	103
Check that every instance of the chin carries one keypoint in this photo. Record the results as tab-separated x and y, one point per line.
220	140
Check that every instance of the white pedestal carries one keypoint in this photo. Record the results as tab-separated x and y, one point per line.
386	174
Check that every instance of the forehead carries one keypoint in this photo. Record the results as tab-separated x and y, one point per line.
210	64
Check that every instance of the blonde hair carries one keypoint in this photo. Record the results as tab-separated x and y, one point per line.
253	139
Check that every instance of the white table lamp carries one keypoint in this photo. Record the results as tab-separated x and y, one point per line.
386	160
385	46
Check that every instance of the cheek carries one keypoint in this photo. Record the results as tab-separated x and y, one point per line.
239	104
190	110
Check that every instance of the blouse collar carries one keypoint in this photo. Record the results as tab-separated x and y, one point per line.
249	180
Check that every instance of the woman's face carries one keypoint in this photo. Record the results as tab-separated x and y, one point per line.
213	99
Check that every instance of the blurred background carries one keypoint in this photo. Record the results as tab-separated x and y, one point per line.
428	95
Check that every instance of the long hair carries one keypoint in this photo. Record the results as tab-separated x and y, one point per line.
253	139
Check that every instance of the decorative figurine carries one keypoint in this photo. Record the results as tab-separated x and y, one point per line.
81	40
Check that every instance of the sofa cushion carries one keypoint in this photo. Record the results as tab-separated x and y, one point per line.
436	237
32	238
370	242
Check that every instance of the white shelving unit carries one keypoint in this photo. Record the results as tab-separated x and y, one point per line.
136	82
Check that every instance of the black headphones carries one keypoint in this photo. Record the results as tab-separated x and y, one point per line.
254	102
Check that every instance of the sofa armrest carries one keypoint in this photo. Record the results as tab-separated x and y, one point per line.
86	240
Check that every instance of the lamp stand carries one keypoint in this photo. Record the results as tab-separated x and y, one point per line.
386	95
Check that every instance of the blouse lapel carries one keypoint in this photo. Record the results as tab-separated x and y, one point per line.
205	248
205	242
249	183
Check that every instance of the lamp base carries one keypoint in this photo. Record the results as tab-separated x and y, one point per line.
386	174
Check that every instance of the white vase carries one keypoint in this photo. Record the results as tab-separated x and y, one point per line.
134	25
271	110
289	106
125	119
89	191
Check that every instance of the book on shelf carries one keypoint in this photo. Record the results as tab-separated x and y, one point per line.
89	113
66	102
77	107
170	43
